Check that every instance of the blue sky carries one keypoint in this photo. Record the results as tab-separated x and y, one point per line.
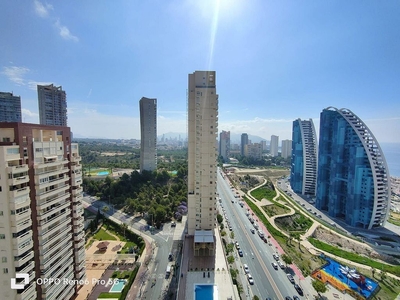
276	61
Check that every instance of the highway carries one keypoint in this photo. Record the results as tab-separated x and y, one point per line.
258	255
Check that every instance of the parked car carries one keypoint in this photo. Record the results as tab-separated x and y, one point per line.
252	230
281	265
275	265
276	256
240	252
250	279
246	268
290	277
299	289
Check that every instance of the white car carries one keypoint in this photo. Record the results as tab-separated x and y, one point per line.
250	279
246	269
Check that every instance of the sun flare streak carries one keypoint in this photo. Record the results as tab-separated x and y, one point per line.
214	29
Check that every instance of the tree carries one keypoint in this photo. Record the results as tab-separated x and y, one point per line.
231	259
286	259
319	286
232	235
219	218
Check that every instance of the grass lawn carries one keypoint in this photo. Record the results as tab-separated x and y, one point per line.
263	192
109	295
102	235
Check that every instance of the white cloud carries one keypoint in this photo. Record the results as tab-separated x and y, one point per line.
15	74
42	10
64	32
29	116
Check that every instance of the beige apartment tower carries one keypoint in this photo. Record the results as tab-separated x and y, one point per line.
202	160
41	212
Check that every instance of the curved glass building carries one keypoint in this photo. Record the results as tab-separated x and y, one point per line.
303	175
353	177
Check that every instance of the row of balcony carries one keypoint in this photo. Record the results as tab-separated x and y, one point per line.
49	289
42	214
63	232
17	241
19	192
18	180
29	292
46	223
54	254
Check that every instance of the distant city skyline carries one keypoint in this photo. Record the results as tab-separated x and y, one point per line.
276	62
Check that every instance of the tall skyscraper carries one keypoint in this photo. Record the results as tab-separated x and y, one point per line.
52	105
41	220
353	177
202	160
244	140
224	144
148	134
273	146
303	175
286	150
10	108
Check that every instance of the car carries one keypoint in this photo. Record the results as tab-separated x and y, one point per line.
170	257
230	228
275	265
173	224
250	279
240	252
299	289
281	265
288	298
237	245
290	277
319	216
246	269
296	297
252	231
276	256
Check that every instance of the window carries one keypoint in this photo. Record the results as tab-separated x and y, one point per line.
1	212
5	270
4	259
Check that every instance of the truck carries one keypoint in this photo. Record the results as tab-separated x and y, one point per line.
168	271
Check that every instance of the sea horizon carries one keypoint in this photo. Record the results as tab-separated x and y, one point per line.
391	151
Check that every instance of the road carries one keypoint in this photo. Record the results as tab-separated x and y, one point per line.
162	245
268	282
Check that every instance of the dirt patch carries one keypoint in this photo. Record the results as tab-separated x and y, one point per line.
349	245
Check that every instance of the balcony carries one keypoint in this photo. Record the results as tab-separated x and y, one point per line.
79	244
19	192
79	237
76	168
28	268
54	233
44	215
18	180
50	289
24	259
75	178
81	273
52	257
58	181
77	212
29	293
21	249
62	226
52	193
78	221
21	202
48	202
58	268
17	169
77	191
50	164
45	224
80	255
75	158
23	238
17	227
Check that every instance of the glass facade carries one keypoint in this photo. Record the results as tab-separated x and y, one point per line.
353	177
303	176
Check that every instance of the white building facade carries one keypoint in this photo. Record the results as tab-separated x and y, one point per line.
202	158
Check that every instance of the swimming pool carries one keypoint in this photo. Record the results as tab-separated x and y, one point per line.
118	286
205	292
102	173
344	278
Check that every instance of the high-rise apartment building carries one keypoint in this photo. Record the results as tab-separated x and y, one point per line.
273	146
286	149
263	146
52	105
253	151
353	177
244	140
225	145
10	108
148	134
41	212
202	160
303	175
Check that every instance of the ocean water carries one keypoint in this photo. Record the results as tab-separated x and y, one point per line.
392	155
